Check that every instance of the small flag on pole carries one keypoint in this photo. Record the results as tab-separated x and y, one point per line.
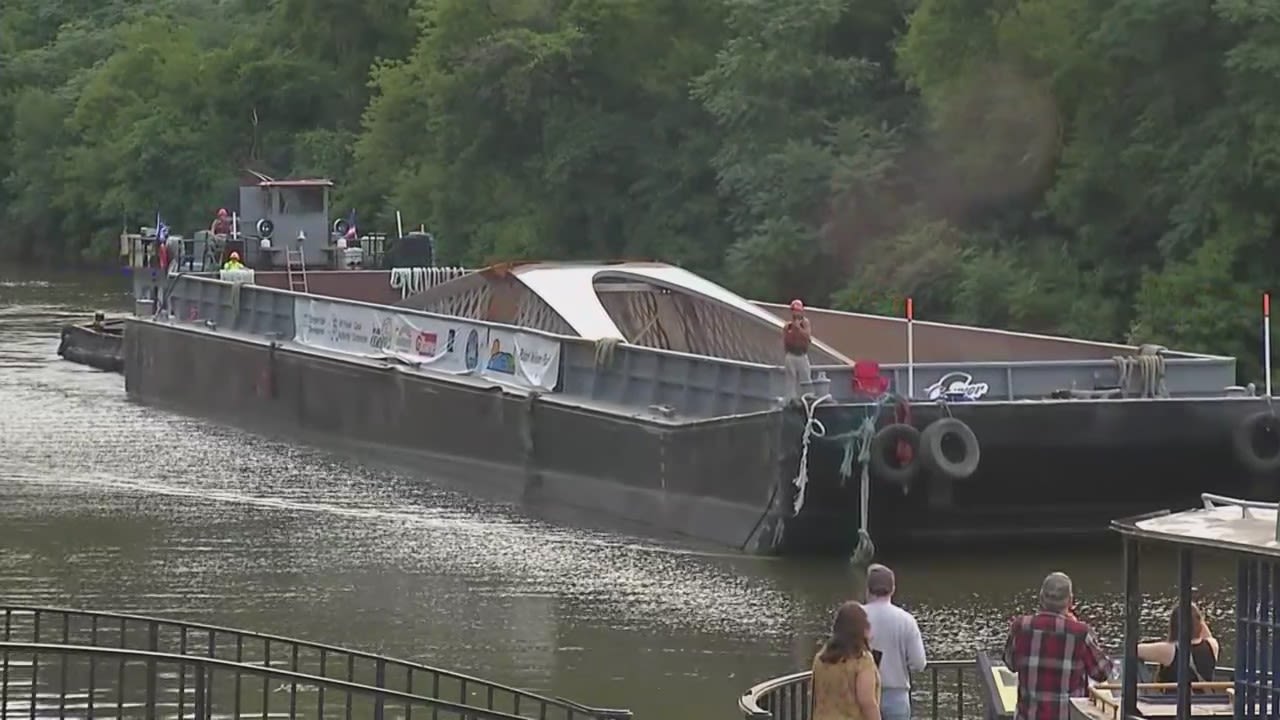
162	230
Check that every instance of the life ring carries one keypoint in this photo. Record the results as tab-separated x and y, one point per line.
894	450
265	227
950	449
340	226
1256	442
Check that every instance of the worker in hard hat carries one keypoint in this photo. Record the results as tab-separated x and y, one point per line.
221	224
233	262
796	337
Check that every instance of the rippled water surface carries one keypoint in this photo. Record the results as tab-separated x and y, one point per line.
108	505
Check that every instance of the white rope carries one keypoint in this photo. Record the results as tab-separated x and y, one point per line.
414	280
813	427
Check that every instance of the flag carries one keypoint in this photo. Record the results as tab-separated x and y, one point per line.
351	224
162	230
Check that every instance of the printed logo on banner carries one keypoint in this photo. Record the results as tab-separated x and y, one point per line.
425	344
471	355
380	338
501	360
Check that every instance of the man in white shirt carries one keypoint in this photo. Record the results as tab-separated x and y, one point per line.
896	636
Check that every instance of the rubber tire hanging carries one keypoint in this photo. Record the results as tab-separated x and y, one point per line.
937	462
885	462
1242	442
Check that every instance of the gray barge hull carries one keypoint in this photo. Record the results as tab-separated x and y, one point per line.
709	480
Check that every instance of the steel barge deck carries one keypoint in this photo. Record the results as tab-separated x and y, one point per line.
690	443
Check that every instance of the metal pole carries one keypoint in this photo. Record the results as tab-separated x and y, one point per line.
1266	338
1183	652
1132	612
911	351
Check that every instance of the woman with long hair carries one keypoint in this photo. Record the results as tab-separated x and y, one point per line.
846	681
1167	654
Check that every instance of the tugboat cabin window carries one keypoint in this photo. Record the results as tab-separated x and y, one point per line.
300	200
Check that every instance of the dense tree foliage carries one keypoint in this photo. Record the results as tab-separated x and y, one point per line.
1107	169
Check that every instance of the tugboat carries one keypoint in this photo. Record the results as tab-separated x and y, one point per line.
283	235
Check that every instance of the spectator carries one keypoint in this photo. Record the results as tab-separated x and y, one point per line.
1054	654
846	682
895	634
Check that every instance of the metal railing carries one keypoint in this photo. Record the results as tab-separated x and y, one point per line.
788	697
69	686
190	649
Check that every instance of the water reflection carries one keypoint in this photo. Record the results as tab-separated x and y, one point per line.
105	504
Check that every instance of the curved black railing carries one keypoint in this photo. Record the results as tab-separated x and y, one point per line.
244	648
787	697
209	694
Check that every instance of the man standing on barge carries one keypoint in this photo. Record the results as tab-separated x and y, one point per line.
796	337
221	224
1054	654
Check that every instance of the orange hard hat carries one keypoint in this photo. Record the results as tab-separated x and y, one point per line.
235	255
796	306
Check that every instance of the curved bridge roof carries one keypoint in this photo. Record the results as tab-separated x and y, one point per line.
570	290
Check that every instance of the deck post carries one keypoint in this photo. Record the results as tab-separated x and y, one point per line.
1274	630
1132	612
1184	633
1243	663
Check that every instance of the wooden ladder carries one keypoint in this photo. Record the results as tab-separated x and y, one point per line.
296	264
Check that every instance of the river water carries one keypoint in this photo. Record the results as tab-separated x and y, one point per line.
108	505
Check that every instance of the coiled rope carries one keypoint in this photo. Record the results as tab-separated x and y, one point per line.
605	348
414	280
813	427
857	448
1148	365
235	303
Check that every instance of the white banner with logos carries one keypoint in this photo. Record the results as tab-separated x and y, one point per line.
449	346
524	359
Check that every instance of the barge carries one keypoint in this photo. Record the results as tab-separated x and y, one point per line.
642	392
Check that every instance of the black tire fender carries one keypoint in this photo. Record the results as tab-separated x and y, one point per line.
883	462
957	434
1259	460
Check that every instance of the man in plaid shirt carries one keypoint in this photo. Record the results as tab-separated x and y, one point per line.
1054	655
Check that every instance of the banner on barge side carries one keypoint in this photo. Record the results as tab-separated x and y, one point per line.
456	347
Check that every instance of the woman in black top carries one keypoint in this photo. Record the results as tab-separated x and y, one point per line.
1167	654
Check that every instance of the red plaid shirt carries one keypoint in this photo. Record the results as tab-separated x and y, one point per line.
1054	656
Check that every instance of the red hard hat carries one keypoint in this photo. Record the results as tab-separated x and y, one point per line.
796	306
